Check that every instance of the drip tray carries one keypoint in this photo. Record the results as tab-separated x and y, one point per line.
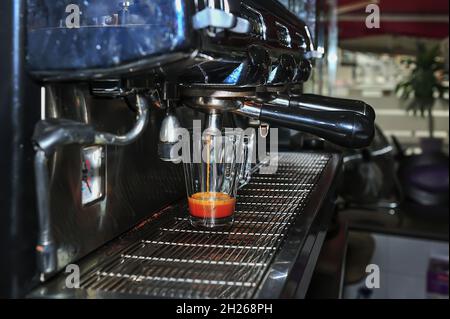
166	258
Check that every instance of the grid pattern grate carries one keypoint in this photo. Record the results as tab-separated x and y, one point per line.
180	262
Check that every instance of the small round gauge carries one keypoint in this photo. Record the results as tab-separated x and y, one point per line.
92	177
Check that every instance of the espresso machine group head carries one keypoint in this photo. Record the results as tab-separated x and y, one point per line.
248	58
225	56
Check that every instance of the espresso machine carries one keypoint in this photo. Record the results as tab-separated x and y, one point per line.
119	77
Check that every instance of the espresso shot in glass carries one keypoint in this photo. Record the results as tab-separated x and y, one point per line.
213	179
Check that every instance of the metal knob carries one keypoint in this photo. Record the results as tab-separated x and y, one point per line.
168	138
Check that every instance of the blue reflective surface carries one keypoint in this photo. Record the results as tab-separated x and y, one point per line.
234	77
108	35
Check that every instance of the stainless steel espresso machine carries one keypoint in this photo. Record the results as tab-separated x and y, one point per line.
119	78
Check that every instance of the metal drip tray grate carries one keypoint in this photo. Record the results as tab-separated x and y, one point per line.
177	261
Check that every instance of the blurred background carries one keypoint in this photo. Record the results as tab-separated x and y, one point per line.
393	201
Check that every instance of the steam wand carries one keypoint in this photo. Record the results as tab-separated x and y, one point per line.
49	136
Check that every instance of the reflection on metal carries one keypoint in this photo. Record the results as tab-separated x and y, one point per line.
46	248
55	133
345	122
134	133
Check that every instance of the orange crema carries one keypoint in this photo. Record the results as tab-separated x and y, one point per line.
212	205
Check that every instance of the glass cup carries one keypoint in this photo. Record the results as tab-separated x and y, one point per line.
249	145
213	178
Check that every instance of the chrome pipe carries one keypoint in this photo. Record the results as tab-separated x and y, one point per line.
134	133
45	247
52	134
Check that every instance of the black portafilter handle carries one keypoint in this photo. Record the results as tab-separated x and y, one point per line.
325	103
344	128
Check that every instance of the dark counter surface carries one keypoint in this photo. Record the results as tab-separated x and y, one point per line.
403	222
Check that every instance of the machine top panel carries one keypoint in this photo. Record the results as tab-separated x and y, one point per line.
88	34
85	39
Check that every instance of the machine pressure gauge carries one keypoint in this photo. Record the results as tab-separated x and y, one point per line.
92	175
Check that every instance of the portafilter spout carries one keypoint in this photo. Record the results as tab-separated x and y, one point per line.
169	134
213	108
